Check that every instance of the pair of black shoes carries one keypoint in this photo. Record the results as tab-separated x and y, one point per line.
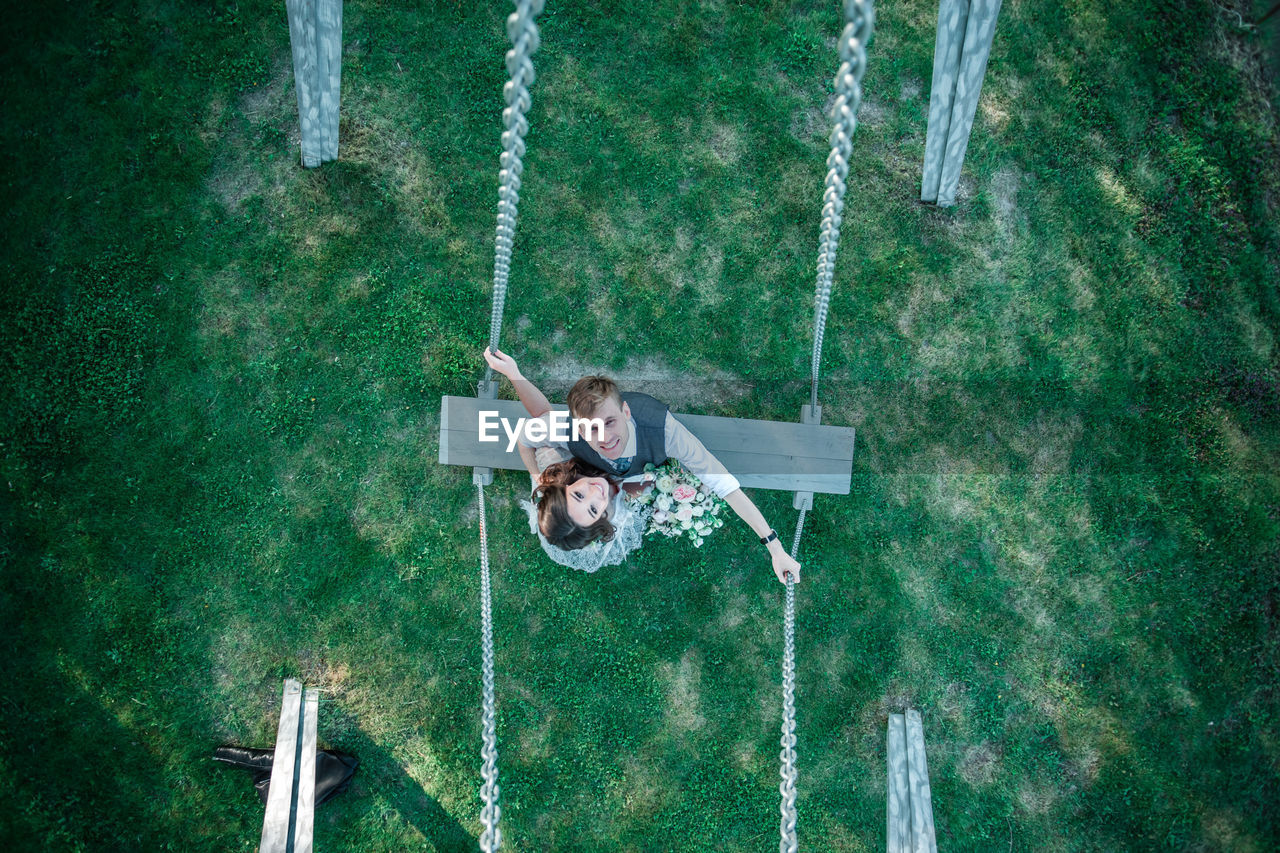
333	769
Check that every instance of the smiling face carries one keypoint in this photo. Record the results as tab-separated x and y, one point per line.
613	440
587	500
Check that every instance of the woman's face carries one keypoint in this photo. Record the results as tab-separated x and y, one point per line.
587	499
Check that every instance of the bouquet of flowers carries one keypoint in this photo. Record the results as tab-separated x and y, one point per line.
682	505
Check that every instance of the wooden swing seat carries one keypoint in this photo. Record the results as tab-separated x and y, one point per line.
792	457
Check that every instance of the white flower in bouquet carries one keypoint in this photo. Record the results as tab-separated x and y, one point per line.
683	506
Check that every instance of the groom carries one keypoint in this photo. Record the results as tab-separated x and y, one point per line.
637	430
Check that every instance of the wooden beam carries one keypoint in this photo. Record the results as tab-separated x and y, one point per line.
784	456
898	809
953	15
315	35
304	819
922	836
808	415
965	32
275	825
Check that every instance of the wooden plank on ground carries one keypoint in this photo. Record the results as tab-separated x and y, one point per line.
922	836
275	825
898	810
304	821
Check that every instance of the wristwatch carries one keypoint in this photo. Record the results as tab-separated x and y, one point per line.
765	540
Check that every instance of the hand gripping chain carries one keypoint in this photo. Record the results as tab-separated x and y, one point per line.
859	18
788	755
523	33
491	840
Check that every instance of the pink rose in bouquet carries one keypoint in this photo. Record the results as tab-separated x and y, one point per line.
685	513
684	493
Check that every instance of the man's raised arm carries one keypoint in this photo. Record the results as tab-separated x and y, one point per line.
685	447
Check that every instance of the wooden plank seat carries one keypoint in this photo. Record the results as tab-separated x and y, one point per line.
761	454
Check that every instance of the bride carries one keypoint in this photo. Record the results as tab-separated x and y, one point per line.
582	516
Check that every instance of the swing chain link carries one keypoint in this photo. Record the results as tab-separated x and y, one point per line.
523	33
788	755
490	812
859	18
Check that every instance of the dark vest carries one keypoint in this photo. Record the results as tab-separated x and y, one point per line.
651	438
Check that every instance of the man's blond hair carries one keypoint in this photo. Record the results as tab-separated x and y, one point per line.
589	393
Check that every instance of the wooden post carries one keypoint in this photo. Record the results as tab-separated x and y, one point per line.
922	836
315	33
304	815
966	29
289	819
909	811
898	810
952	17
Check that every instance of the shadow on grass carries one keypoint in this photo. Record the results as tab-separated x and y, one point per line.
83	781
381	773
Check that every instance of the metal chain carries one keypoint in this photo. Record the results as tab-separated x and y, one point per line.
795	542
859	18
491	840
523	33
788	755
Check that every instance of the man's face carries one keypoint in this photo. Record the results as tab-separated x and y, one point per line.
614	438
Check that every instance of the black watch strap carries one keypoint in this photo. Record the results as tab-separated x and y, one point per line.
765	540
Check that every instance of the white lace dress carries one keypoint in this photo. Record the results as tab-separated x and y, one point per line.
628	521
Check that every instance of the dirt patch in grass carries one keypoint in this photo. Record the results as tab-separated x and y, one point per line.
683	687
1004	192
725	142
650	376
980	764
259	137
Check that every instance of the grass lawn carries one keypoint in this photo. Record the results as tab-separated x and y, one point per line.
221	386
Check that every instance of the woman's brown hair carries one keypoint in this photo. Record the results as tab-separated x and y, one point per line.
553	507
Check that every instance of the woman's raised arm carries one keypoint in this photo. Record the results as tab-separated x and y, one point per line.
535	402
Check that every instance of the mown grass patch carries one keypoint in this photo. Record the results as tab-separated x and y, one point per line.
219	467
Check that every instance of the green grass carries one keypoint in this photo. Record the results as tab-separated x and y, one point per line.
222	380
